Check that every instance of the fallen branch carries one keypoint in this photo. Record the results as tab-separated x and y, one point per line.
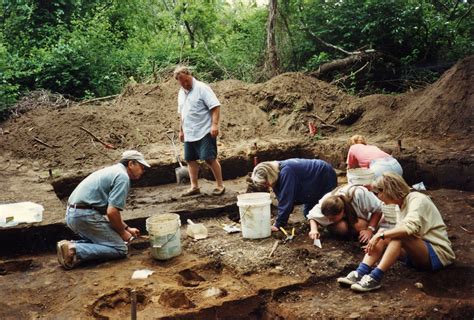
339	64
150	91
351	74
324	123
468	231
107	145
45	144
98	99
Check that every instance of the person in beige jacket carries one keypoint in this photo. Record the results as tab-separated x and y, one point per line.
420	238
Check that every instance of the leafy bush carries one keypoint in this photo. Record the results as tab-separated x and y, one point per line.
92	48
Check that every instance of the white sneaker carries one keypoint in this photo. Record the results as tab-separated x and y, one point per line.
350	279
367	283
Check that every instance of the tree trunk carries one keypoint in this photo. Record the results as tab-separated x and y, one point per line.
272	65
190	33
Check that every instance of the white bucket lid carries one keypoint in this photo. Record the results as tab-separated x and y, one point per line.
390	212
361	172
163	221
360	176
254	199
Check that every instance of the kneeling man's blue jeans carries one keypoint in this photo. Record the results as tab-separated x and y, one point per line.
99	240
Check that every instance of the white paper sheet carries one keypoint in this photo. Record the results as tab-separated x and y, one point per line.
142	274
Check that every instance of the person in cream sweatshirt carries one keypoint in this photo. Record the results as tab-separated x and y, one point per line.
420	238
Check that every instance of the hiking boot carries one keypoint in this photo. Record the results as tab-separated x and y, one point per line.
191	192
350	279
66	258
367	283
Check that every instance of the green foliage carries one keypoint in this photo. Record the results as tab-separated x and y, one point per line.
88	48
416	34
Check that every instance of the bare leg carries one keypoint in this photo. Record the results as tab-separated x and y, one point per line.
340	228
360	225
416	249
376	253
217	171
193	173
390	255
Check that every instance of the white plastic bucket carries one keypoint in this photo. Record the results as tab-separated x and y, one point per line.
255	218
390	213
21	212
165	235
360	176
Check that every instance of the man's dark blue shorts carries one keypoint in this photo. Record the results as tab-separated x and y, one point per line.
204	149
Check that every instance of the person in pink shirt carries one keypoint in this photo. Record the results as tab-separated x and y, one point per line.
362	155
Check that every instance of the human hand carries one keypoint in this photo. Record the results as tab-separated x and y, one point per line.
214	130
181	136
314	234
372	244
134	232
365	235
125	235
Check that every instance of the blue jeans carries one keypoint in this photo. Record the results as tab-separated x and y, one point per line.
388	164
99	240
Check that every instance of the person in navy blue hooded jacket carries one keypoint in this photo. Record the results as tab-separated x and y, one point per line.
295	181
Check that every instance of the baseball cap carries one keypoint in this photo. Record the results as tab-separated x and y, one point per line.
135	155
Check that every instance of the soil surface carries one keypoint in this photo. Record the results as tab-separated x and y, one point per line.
228	277
45	154
279	108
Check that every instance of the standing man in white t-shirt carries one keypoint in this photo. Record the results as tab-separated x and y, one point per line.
199	110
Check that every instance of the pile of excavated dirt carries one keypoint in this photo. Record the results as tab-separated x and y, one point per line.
142	114
279	108
445	107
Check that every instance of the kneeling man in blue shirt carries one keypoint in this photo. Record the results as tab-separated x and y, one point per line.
93	212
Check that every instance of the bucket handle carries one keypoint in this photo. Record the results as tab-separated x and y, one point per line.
167	241
245	212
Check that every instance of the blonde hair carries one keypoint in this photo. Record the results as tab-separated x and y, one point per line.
392	185
357	139
266	172
181	70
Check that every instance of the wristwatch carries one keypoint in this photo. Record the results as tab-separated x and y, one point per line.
371	228
382	236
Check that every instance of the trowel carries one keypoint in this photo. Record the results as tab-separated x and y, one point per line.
182	172
317	243
196	230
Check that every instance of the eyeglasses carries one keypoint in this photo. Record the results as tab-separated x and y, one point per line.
377	192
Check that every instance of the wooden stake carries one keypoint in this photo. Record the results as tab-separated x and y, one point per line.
133	304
